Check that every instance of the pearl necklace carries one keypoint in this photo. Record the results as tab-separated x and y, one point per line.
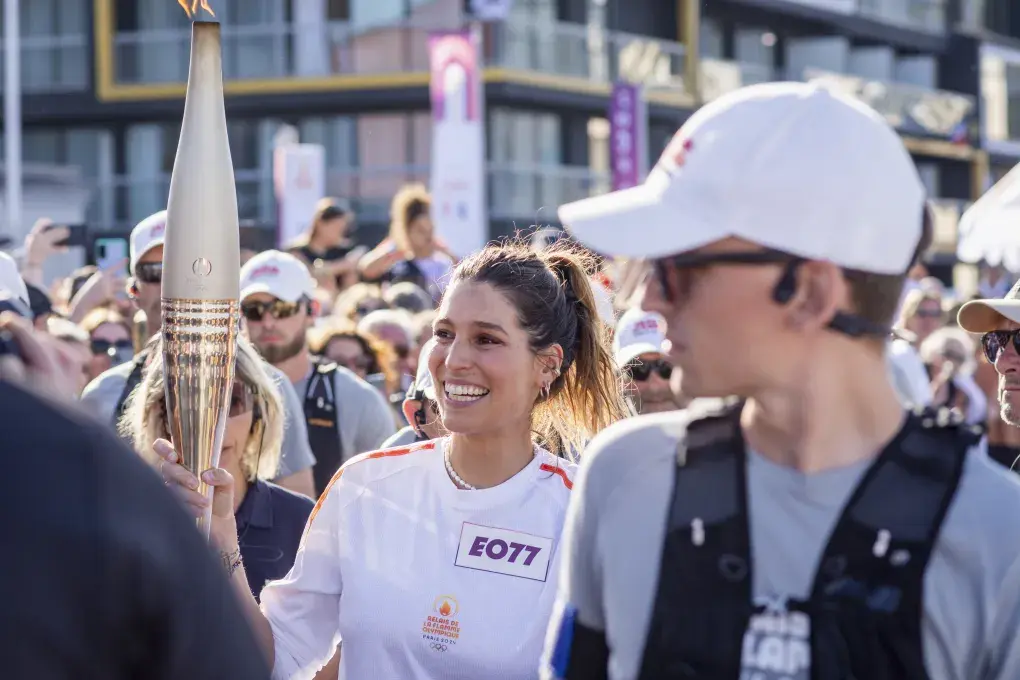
453	473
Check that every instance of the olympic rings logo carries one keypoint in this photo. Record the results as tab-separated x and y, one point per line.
437	646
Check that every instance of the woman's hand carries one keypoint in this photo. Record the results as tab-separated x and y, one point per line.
222	526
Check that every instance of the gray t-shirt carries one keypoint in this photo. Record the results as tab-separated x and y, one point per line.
403	437
614	532
102	395
364	419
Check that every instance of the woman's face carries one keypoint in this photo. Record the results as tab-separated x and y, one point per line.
333	230
419	233
238	429
487	377
111	345
348	353
926	320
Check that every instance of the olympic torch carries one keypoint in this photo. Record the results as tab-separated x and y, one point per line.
201	268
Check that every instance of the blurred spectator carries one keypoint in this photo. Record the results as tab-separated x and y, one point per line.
40	245
359	300
13	291
907	373
77	279
639	348
41	306
360	353
76	341
419	408
921	314
412	251
422	326
109	337
994	281
409	297
324	302
949	355
393	326
325	249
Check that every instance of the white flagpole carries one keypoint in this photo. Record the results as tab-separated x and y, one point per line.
12	117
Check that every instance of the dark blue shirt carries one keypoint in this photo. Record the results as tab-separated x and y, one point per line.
270	522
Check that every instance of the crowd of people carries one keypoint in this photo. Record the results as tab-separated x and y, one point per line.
792	455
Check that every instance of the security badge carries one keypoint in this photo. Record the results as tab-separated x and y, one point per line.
501	551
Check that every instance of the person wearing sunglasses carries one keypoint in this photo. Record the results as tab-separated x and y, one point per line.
639	347
997	322
109	340
106	396
343	414
420	408
795	521
270	519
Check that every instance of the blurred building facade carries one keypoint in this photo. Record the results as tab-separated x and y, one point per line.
104	84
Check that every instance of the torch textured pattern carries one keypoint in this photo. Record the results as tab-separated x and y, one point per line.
199	346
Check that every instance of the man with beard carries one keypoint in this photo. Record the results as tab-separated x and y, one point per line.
345	415
639	349
107	394
998	322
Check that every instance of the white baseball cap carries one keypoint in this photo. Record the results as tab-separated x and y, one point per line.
146	235
12	286
793	167
638	332
983	316
279	274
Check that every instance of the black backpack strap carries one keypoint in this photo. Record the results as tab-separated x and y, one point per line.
321	420
703	601
867	600
134	378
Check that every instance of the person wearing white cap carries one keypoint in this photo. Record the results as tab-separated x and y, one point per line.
344	415
419	407
639	347
795	521
106	396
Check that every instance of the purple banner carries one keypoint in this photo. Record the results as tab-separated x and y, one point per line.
453	63
628	134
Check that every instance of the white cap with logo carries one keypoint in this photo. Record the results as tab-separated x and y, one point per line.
793	167
146	235
638	332
12	286
278	274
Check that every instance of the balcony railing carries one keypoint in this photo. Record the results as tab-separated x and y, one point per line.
519	192
923	15
338	48
53	63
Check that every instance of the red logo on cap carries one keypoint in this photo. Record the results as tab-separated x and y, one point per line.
677	150
158	230
265	270
646	326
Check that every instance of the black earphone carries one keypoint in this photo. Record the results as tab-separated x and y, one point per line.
842	322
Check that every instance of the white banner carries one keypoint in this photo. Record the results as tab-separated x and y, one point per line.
299	175
458	144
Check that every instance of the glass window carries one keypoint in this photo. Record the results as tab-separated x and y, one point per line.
338	134
1000	92
54	46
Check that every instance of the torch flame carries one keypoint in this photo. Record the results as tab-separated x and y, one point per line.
192	8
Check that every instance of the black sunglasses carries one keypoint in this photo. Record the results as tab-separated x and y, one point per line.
995	342
279	309
640	371
685	264
111	348
149	272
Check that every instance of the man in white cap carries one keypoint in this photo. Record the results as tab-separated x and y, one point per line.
998	323
639	347
810	528
344	415
107	395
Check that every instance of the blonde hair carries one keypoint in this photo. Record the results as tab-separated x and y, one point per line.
103	315
555	304
412	201
144	419
913	300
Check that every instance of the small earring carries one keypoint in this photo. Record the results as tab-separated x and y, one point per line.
545	391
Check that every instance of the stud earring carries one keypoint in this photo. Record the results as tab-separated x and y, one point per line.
545	392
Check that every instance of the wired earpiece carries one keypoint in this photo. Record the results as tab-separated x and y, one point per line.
786	287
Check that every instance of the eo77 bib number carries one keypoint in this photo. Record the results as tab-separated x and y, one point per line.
502	551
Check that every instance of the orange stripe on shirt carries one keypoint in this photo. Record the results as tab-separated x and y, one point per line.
385	453
545	467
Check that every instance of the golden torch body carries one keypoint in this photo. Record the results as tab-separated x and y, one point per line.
201	267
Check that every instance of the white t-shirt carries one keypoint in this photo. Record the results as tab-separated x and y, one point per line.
419	578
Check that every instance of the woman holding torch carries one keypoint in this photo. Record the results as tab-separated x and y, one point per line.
440	559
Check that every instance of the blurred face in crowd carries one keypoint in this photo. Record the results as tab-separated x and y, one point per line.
110	346
702	331
650	375
1000	345
926	320
419	233
276	328
239	426
397	337
148	277
487	376
333	230
349	353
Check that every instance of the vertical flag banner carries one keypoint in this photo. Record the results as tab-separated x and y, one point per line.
299	176
628	136
458	142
